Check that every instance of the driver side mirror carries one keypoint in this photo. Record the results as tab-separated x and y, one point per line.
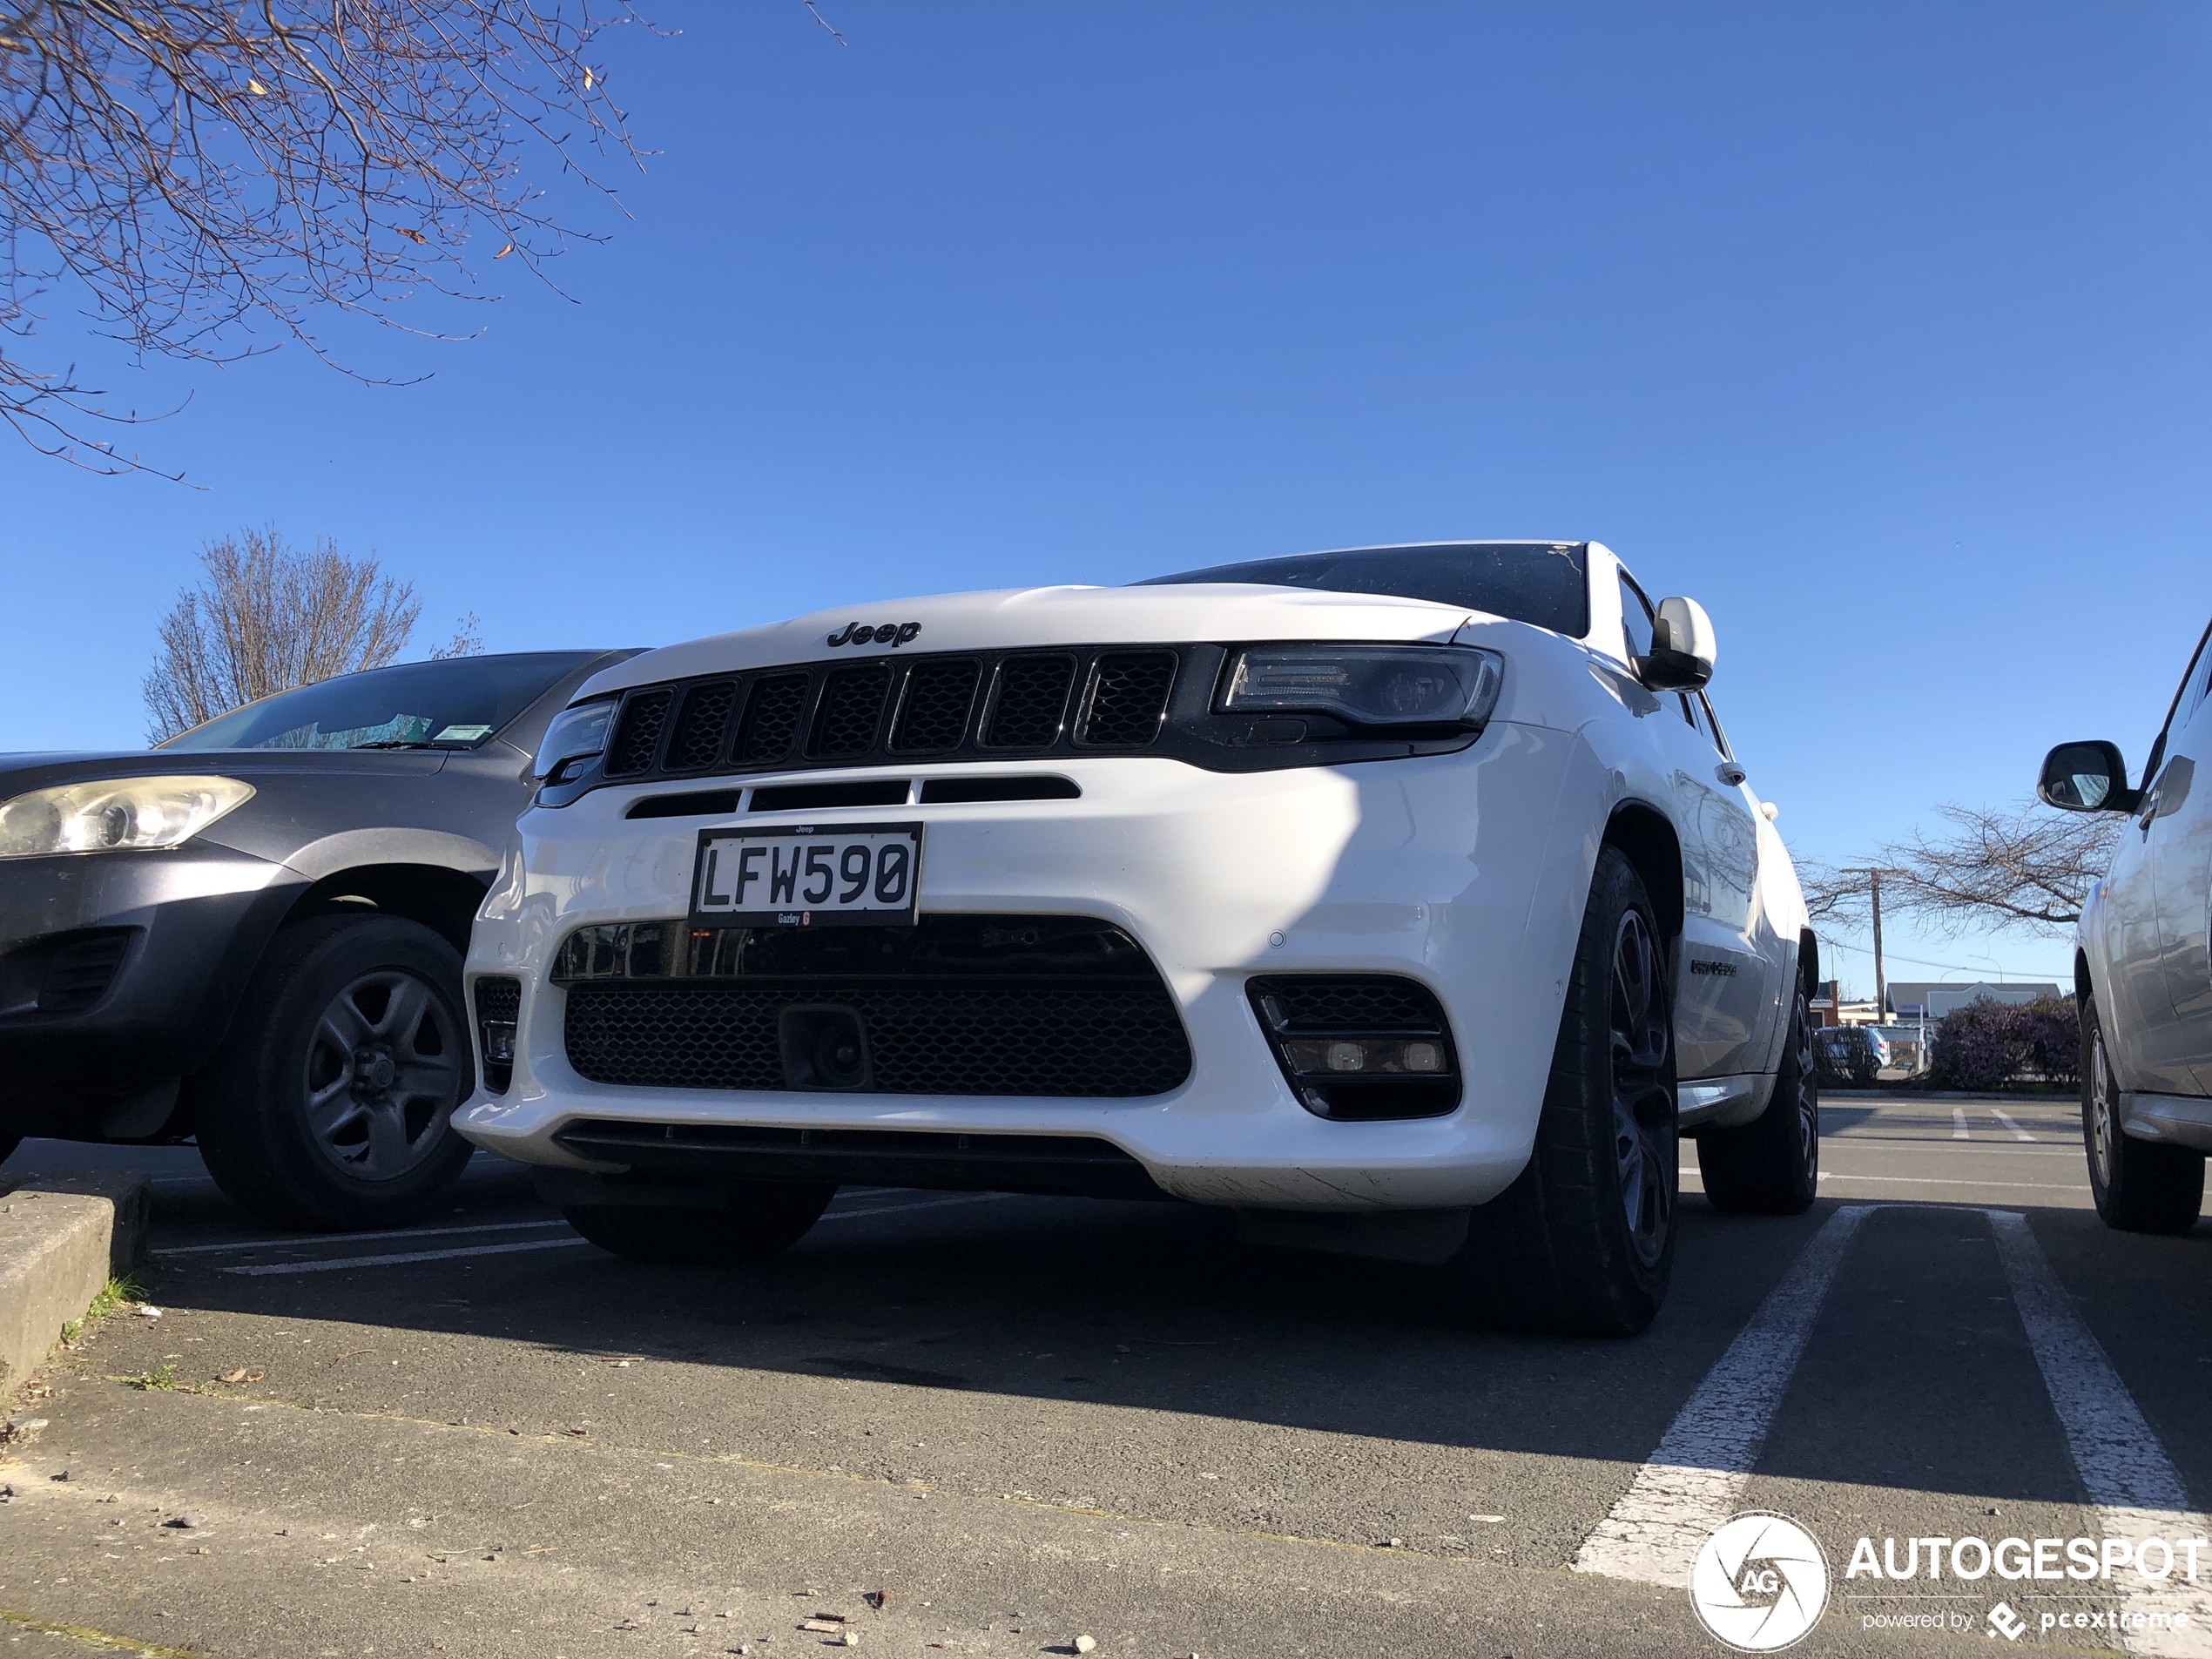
2086	778
1682	647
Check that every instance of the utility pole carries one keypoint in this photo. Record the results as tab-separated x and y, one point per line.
1881	986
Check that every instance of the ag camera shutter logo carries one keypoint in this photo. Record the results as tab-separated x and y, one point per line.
1759	1583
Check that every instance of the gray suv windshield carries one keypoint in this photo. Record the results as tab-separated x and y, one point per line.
1542	583
452	704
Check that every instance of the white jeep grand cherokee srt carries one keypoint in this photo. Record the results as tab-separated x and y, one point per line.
1406	900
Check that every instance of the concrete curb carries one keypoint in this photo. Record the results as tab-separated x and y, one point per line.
61	1237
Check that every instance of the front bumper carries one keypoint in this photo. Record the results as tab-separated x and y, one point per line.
120	970
1465	872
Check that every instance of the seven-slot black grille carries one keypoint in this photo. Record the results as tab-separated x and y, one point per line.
850	710
701	726
940	699
1129	698
638	735
895	708
1030	700
1058	1006
772	718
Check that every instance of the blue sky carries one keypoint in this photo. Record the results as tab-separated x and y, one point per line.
1880	329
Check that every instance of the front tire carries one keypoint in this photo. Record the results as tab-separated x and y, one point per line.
1770	1166
2140	1186
754	1220
330	1105
1583	1241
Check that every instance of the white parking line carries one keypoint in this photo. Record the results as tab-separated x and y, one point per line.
1691	1482
309	1238
2137	1491
1943	1181
259	1269
1959	1124
401	1257
2018	1134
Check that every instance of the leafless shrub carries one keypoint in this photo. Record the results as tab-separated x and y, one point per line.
265	618
190	166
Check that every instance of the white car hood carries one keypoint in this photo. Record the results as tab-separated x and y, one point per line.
1224	612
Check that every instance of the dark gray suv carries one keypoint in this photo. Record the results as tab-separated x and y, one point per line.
252	935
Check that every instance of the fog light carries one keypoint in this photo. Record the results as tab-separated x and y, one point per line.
1424	1056
1346	1056
499	1041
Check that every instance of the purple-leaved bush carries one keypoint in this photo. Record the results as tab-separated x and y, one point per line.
1987	1044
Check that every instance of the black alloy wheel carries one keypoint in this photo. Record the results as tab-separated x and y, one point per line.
2140	1186
1583	1240
330	1105
1770	1166
1643	1092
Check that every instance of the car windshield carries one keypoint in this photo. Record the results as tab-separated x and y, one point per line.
1542	583
457	704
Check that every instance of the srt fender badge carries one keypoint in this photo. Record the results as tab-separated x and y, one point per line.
889	633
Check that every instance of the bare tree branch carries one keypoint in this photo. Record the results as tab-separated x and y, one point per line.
468	640
193	165
265	618
2027	869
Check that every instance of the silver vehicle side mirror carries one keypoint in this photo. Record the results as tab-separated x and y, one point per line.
2086	778
1682	647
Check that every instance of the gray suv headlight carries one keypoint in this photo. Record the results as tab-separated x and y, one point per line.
115	814
1368	685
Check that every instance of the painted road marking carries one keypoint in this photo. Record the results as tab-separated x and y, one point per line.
2137	1491
1944	1180
1693	1479
401	1257
310	1238
2018	1134
258	1269
1959	1124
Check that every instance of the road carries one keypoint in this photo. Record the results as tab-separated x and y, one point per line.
1021	1419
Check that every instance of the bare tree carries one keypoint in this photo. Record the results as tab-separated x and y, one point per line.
266	619
188	166
468	640
2026	869
1833	896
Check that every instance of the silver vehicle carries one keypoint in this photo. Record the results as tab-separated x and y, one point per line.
252	935
2142	971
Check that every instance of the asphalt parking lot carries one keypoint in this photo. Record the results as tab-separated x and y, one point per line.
979	1424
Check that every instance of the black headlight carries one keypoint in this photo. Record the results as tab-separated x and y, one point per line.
576	736
1368	685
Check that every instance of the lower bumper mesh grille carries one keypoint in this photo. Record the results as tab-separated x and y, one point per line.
939	1038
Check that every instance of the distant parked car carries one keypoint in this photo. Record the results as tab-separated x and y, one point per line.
252	933
2143	971
1849	1054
